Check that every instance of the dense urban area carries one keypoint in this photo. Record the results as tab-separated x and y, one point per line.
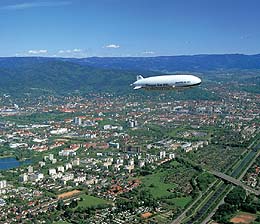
129	158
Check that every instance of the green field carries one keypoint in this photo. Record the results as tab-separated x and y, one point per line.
174	163
181	202
61	222
89	201
155	183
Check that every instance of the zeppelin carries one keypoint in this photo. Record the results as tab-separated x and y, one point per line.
166	82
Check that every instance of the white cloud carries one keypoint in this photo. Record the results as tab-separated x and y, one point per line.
64	51
75	53
37	51
112	46
27	5
148	52
76	50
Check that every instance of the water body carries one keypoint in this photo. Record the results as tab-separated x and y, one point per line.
10	163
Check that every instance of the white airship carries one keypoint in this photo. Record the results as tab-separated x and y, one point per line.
166	82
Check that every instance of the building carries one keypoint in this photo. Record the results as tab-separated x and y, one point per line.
51	157
77	121
52	171
30	169
59	131
54	161
133	123
68	166
41	164
131	162
23	177
3	184
162	154
76	162
107	127
141	163
171	156
132	149
2	202
60	169
35	177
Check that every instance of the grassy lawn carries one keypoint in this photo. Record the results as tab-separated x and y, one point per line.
61	222
89	201
181	202
160	219
156	184
174	163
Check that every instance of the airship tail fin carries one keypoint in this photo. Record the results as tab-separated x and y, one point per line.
138	77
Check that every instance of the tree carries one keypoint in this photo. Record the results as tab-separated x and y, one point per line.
74	204
60	205
236	197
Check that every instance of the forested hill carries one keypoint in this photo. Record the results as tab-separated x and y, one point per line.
41	75
193	63
52	76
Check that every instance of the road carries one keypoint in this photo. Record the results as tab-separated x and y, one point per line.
235	181
243	165
235	173
183	214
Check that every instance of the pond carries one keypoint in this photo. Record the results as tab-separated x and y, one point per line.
11	162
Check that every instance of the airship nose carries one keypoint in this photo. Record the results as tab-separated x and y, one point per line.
198	80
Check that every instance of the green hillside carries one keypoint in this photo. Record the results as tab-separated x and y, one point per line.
57	77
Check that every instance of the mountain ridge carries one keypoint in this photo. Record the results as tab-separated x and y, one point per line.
19	75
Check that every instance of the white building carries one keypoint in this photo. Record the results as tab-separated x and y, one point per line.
67	177
107	127
60	169
59	131
68	166
171	156
76	162
120	161
30	169
3	184
52	171
131	162
80	179
41	164
67	153
51	156
77	121
141	163
162	154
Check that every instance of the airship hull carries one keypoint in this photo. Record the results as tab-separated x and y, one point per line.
166	82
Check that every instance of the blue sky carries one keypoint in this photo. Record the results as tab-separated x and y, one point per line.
85	28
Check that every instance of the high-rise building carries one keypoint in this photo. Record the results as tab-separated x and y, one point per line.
77	121
162	154
2	184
